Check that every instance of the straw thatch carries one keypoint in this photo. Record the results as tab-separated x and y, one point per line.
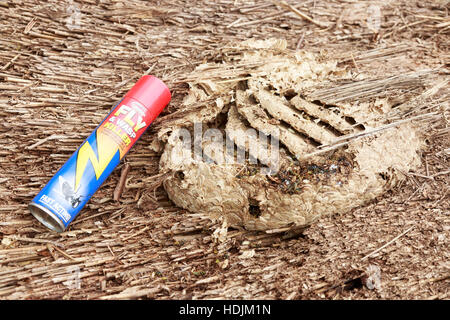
63	64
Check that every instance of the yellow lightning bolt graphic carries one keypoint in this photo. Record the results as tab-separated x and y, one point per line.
106	148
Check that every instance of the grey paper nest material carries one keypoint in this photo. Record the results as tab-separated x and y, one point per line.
337	148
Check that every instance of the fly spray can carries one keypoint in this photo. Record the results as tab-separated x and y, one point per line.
79	178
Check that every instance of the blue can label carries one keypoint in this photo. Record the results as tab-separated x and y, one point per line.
85	171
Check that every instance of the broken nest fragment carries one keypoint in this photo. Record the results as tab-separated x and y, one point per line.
328	141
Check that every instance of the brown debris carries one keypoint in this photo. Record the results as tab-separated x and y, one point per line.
121	184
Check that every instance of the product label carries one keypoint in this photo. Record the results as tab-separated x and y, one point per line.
73	185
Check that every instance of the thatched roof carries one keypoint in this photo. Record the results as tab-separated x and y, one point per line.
64	64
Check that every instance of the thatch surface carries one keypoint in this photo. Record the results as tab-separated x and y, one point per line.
59	80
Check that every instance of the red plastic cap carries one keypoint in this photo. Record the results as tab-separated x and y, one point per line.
152	93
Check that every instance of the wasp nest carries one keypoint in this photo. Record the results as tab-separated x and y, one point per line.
336	147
